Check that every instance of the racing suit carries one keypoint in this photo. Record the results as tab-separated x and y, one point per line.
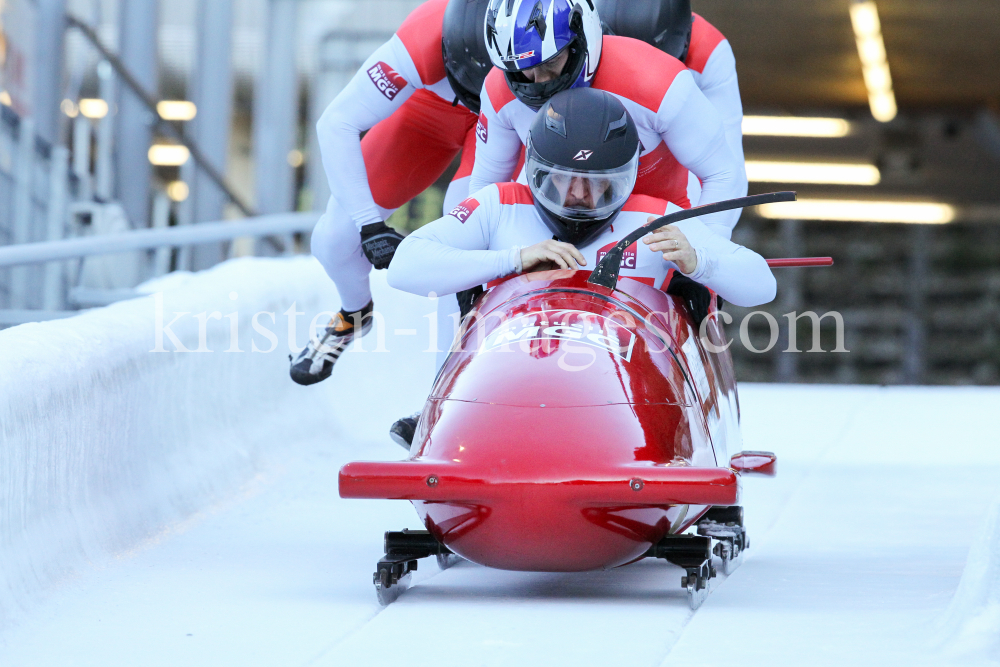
679	129
481	240
415	127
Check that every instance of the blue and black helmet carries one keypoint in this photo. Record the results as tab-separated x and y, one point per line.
521	34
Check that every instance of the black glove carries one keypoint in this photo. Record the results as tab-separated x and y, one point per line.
696	296
467	299
379	243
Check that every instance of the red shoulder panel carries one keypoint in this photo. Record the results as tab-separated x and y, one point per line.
645	204
704	38
515	193
497	89
421	35
636	71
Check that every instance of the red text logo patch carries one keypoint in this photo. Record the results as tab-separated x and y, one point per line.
628	257
482	128
386	80
465	209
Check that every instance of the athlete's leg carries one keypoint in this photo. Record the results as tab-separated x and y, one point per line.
432	131
403	155
336	243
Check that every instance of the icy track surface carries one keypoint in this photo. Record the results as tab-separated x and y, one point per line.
857	550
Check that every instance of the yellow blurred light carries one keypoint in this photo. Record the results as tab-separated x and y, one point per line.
874	63
878	78
296	158
176	110
93	107
760	171
883	106
69	108
864	19
872	51
859	211
794	126
5	98
168	155
178	190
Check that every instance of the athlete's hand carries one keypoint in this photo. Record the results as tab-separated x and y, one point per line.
551	254
379	243
674	245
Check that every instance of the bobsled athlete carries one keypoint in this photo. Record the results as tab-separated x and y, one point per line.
417	97
672	27
542	47
588	205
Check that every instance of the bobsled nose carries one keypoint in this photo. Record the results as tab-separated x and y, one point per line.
553	525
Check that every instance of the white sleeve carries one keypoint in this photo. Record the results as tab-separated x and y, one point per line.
720	85
498	148
372	95
692	129
737	274
447	256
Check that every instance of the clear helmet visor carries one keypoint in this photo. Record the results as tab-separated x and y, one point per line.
578	194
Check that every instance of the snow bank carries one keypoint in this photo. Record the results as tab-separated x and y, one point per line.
110	431
971	626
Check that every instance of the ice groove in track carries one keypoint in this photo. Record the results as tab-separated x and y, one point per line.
797	489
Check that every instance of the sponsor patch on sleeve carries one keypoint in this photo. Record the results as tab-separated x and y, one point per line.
386	80
482	128
465	209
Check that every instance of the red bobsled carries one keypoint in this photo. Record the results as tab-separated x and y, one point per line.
574	427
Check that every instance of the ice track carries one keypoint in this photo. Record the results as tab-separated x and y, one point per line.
857	548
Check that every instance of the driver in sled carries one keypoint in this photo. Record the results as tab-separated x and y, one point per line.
582	162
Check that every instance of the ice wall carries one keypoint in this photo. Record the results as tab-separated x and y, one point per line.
971	626
105	442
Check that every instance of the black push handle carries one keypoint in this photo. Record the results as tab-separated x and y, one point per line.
606	272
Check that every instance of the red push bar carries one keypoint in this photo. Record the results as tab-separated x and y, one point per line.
799	261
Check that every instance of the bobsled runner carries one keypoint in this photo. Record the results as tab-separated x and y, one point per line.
580	423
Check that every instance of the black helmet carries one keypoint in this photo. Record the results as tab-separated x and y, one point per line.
582	162
466	60
665	24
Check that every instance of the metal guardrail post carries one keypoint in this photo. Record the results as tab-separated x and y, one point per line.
24	170
52	298
161	220
104	177
82	133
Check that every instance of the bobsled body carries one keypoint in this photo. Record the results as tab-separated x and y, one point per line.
572	428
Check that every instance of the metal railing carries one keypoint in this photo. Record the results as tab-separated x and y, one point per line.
147	239
26	254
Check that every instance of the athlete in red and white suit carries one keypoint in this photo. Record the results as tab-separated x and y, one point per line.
680	129
712	64
402	96
482	239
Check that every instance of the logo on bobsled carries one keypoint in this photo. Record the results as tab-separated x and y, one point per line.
564	326
386	79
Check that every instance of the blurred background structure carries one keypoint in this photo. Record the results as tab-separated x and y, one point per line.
126	115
